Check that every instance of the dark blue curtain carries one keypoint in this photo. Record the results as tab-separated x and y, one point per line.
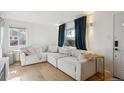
61	35
80	33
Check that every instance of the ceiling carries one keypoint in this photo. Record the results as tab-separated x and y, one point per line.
42	17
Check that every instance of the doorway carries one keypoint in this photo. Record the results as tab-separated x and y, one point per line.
119	46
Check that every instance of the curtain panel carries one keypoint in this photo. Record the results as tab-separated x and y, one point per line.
80	33
61	35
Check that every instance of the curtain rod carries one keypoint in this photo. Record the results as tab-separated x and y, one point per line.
76	18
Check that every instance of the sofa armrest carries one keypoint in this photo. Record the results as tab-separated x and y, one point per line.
85	70
22	58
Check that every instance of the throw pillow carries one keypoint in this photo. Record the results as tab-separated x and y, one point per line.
26	51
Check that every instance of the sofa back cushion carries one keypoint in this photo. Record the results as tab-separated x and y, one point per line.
34	49
40	48
44	48
53	48
65	50
76	52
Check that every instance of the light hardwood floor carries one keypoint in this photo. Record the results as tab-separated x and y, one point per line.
41	72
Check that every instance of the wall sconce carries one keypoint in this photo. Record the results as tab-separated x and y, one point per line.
91	24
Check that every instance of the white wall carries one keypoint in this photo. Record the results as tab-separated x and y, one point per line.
35	34
101	38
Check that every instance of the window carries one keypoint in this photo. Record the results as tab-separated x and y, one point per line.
1	30
69	35
17	36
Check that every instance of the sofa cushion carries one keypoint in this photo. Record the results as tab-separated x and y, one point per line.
52	58
36	50
56	55
72	60
53	48
38	47
65	50
76	52
44	48
44	56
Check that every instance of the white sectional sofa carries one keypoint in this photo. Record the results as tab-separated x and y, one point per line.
68	60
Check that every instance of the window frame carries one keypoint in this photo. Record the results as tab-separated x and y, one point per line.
18	45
